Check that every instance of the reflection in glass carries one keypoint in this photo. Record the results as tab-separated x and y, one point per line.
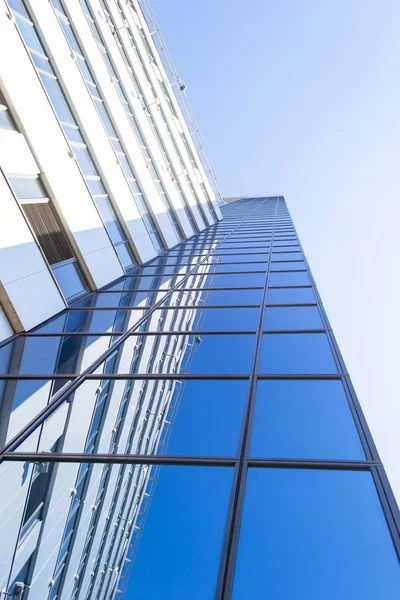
188	353
204	319
313	534
228	280
304	419
182	536
53	354
93	321
216	297
141	510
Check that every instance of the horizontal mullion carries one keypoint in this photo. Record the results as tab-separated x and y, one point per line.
131	459
291	305
283	331
194	289
128	376
179	307
353	465
139	333
204	274
153	459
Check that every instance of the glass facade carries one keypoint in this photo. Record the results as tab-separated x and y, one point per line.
191	431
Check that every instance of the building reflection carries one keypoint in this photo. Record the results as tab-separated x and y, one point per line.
72	528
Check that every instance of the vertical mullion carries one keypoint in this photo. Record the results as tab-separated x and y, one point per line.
232	533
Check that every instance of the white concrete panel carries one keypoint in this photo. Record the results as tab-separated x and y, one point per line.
121	194
15	155
35	298
51	150
5	328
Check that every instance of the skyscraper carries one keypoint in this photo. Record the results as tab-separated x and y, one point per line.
191	431
176	420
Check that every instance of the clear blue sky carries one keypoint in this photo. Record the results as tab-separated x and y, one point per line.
302	98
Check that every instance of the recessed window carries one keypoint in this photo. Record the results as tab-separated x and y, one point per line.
6	120
50	234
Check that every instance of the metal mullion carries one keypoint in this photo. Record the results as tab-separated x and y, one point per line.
388	504
70	387
299	463
291	305
166	274
130	459
289	376
292	331
195	289
231	537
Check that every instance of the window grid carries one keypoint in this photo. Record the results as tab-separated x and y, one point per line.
241	461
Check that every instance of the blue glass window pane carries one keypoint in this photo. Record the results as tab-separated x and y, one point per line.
218	297
288	266
179	551
237	267
84	161
286	256
103	300
93	321
29	35
245	258
57	99
285	247
69	280
110	219
304	419
292	317
226	251
292	353
125	255
232	280
46	355
204	353
296	278
207	319
261	246
290	296
206	418
313	535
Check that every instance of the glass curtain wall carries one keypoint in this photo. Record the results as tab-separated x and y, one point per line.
192	432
